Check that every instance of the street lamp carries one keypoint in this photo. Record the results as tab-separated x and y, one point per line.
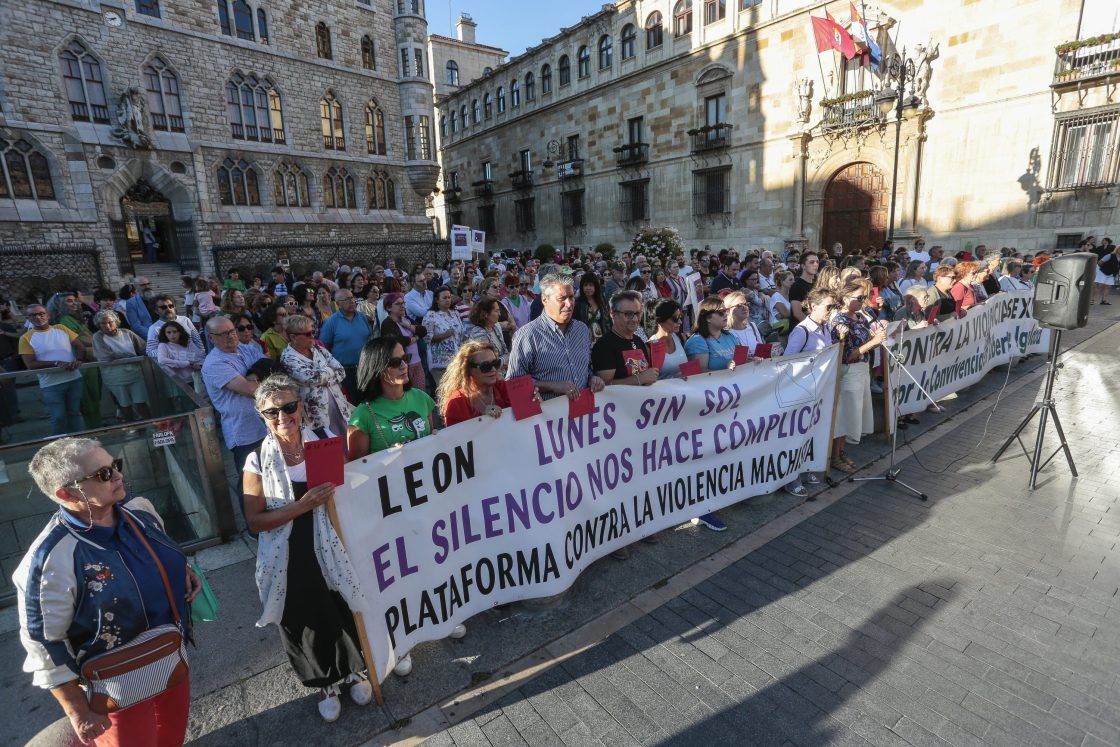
554	148
900	71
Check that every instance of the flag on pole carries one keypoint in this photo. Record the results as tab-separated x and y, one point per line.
831	35
859	25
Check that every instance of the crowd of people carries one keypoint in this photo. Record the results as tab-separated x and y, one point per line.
383	356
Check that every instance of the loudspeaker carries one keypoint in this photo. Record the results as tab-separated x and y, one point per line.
1063	289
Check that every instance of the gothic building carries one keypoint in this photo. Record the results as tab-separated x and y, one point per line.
194	124
996	124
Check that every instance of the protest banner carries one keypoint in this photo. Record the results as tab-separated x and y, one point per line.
460	243
493	511
958	352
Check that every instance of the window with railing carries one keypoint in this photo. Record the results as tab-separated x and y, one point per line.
25	173
254	109
85	87
162	86
1087	59
330	118
524	214
375	130
634	201
1084	151
850	110
369	59
711	192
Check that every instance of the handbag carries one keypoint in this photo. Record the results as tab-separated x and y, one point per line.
151	663
204	608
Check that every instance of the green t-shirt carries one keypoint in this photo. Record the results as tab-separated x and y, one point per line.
389	422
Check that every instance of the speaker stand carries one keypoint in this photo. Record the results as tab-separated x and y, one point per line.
1044	408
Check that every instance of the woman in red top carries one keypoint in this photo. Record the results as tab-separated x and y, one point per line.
661	283
471	386
962	291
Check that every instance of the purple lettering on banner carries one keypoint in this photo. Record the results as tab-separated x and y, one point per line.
402	558
491	517
380	566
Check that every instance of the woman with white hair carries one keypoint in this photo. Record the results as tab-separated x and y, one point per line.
124	382
102	573
319	374
304	576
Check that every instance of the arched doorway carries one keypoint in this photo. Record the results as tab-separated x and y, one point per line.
151	229
855	208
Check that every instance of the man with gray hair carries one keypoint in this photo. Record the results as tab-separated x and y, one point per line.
554	348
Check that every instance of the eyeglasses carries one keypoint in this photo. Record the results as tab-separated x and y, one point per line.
485	366
396	362
105	474
628	314
644	272
227	333
857	298
737	306
301	334
164	306
344	300
240	328
288	408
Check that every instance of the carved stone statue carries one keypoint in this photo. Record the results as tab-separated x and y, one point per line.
129	127
804	99
923	69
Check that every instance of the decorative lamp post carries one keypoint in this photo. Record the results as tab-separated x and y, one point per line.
901	71
554	149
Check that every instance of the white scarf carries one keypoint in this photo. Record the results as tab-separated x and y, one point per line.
272	547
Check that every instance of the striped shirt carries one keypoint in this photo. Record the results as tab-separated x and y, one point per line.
548	353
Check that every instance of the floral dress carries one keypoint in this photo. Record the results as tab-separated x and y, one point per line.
319	377
854	331
438	323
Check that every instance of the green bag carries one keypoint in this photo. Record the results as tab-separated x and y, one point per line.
204	608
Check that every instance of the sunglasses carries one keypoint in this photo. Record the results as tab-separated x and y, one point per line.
396	362
677	318
485	366
241	328
288	408
105	474
857	298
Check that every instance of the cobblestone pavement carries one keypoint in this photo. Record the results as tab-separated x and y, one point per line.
986	616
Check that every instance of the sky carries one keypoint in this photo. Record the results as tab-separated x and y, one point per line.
513	25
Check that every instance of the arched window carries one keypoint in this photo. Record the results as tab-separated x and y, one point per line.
487	70
682	18
606	52
25	172
487	105
381	192
546	79
452	73
454	121
254	109
338	189
463	115
476	112
515	94
564	70
262	26
501	100
243	20
530	87
375	130
85	88
330	117
323	41
629	41
237	183
655	31
583	62
369	60
164	106
148	8
291	187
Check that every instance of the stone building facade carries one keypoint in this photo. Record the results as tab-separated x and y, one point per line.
716	118
199	123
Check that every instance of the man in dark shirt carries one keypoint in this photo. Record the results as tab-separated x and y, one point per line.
810	263
620	356
728	276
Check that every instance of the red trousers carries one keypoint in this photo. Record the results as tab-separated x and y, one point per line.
159	722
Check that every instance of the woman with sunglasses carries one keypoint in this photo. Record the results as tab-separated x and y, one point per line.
712	345
670	320
304	576
398	325
852	328
472	385
247	331
319	374
485	326
89	585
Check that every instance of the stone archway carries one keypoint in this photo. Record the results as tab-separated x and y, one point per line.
143	194
856	201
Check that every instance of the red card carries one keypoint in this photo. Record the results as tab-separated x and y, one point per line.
763	350
585	405
325	461
520	391
691	368
742	353
658	349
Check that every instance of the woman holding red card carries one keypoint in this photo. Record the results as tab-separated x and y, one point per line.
472	386
304	576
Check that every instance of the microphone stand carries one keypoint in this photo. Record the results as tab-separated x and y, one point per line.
893	472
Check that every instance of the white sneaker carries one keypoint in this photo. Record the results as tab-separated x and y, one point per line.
404	666
459	631
330	707
361	691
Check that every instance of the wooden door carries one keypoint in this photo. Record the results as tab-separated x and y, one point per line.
855	208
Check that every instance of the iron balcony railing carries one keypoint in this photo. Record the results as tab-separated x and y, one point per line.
483	188
521	179
630	154
1088	61
857	111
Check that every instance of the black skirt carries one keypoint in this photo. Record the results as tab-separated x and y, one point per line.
317	628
